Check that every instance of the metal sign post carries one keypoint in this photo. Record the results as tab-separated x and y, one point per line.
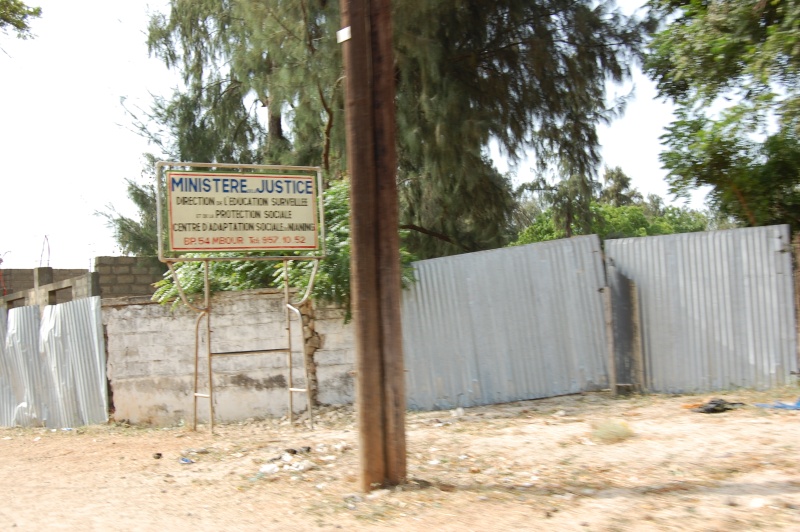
240	208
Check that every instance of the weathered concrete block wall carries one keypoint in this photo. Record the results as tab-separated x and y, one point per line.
118	276
336	358
151	358
128	276
48	291
17	280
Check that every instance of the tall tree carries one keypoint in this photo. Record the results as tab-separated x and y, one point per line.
531	75
276	58
732	67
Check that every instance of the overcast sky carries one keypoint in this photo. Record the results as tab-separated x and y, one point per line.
66	145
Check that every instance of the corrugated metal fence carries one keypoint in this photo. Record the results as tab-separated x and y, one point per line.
716	309
713	311
505	325
52	368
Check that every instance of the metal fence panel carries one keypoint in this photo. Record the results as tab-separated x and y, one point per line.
6	393
22	364
74	354
54	366
716	308
504	325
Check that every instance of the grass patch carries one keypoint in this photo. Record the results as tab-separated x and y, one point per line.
611	431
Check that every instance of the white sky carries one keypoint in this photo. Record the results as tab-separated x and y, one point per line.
66	145
65	142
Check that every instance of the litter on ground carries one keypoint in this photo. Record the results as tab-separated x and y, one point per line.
779	404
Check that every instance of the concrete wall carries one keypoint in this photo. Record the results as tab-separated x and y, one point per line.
114	277
17	280
151	358
128	276
47	291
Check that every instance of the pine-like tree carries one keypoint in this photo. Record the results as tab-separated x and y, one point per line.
531	75
617	190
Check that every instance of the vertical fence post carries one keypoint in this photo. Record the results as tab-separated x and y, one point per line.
796	277
637	369
612	355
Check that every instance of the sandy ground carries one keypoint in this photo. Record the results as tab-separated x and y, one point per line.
548	464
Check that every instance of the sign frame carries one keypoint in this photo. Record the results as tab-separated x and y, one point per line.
318	253
227	181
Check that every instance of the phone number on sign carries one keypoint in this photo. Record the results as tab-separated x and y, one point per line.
238	240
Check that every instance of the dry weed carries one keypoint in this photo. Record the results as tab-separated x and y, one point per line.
611	431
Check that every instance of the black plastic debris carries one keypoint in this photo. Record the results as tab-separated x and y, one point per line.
716	406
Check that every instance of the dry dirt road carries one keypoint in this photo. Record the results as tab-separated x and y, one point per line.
564	463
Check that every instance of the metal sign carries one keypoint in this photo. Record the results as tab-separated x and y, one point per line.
249	207
237	211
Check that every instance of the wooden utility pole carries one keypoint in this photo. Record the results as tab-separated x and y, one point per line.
375	263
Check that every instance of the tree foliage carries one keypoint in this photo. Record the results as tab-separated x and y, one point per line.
627	221
531	75
613	211
16	17
617	190
731	67
755	182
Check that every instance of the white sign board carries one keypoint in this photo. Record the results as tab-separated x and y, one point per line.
213	211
